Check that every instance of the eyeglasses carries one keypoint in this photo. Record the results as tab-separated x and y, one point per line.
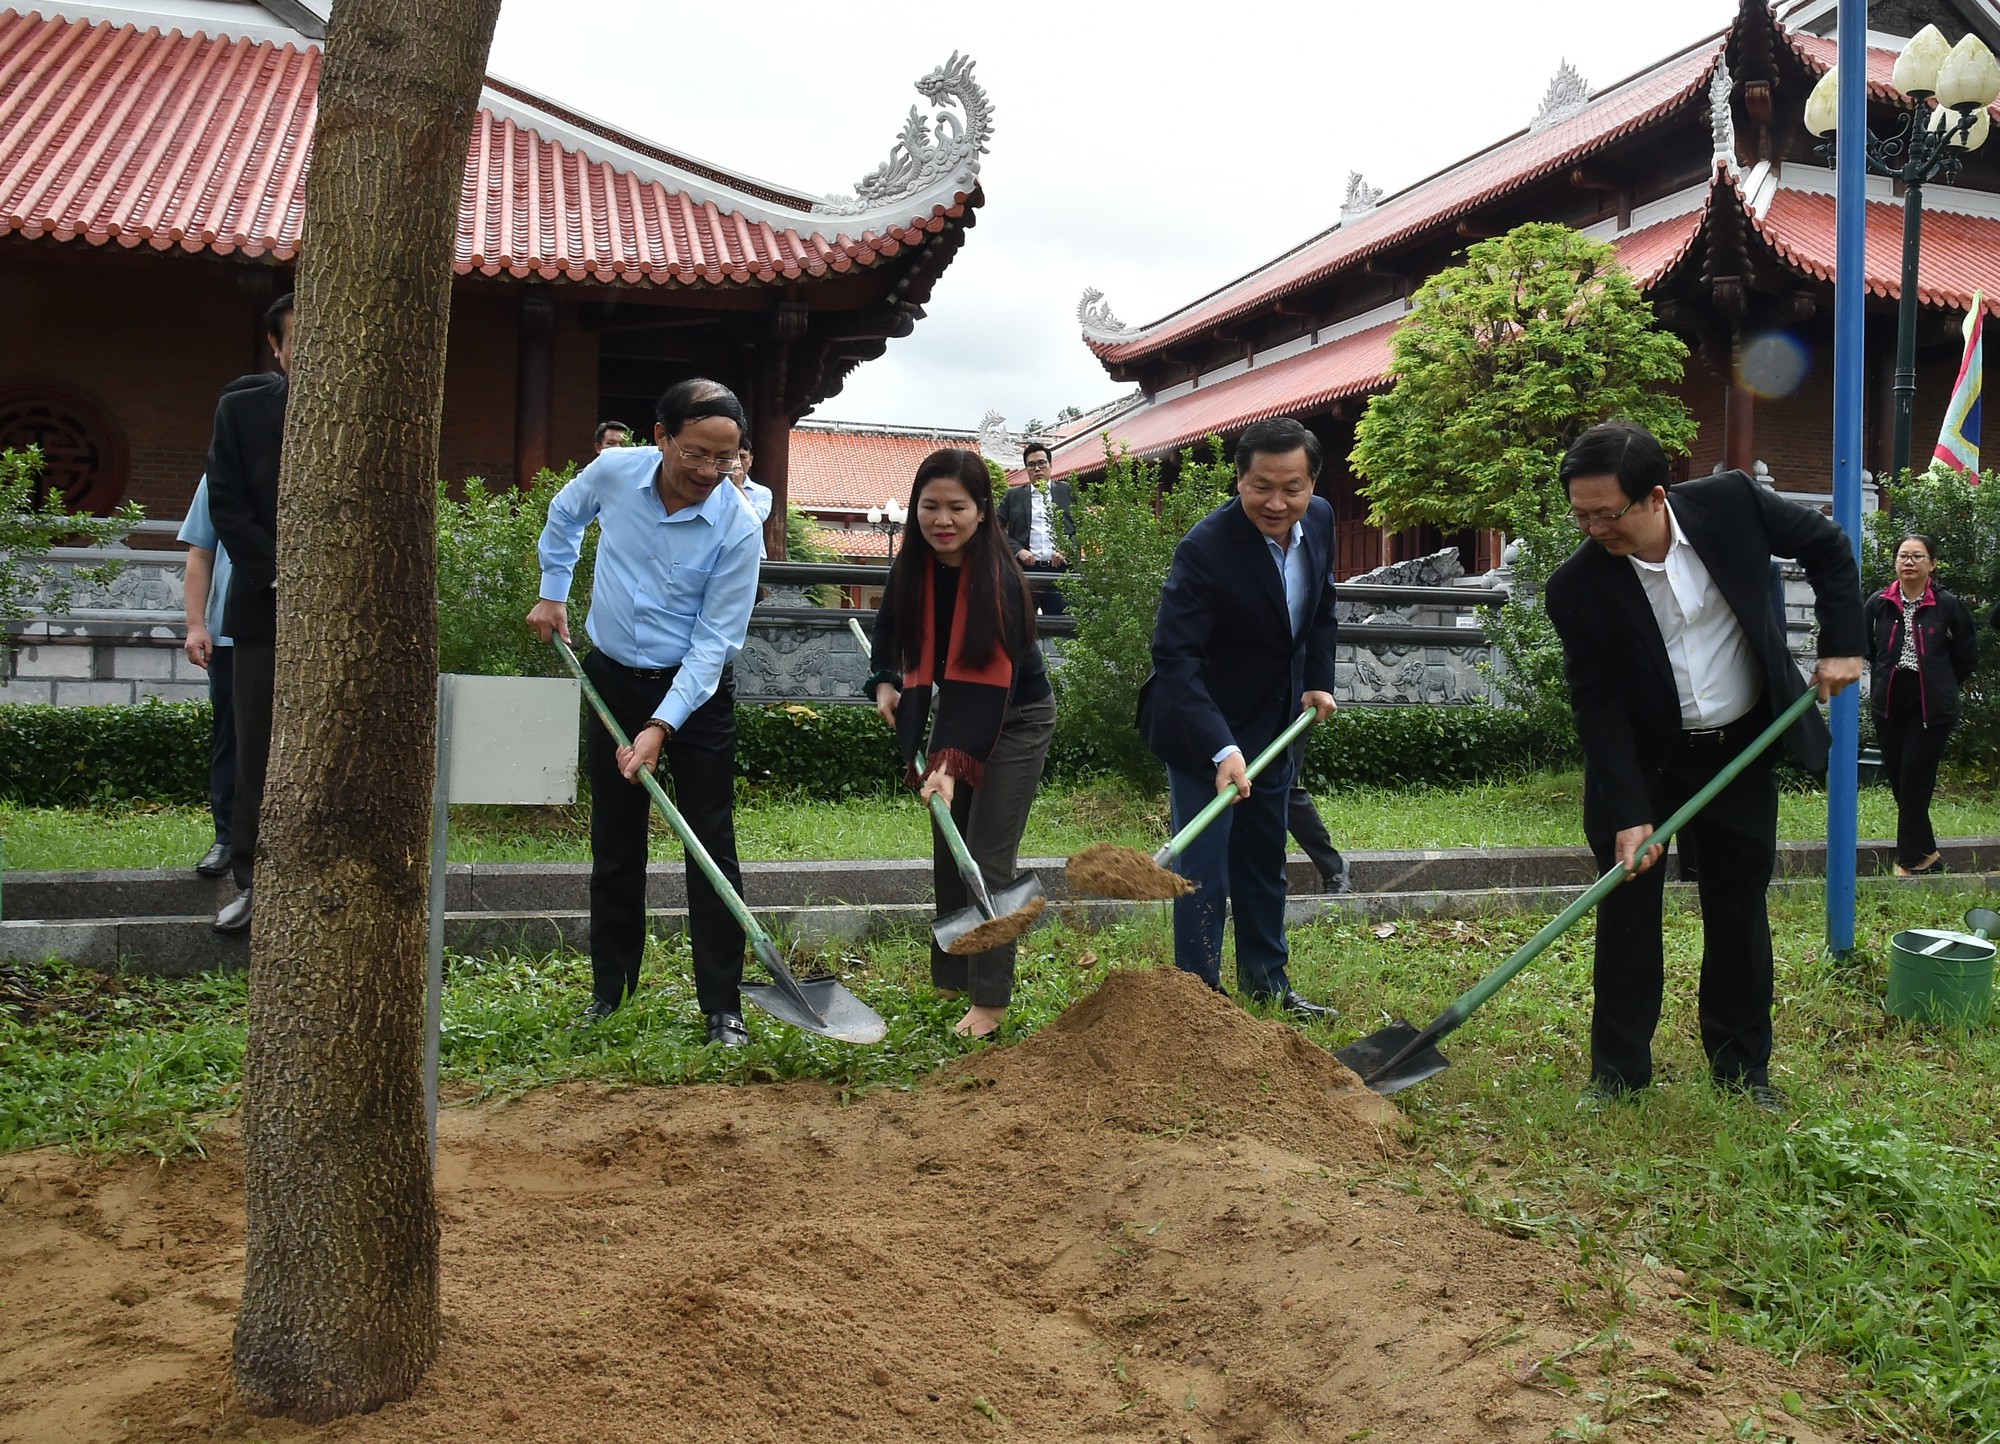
1040	464
702	461
1584	521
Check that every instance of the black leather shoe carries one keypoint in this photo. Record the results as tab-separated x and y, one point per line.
728	1030
597	1012
235	914
214	862
1298	1007
1767	1099
1341	882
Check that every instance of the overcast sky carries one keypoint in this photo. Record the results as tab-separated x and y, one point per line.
1154	152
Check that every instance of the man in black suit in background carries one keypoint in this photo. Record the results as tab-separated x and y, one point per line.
1244	640
1675	662
1036	516
243	505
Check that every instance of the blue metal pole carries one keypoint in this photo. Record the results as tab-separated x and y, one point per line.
1850	288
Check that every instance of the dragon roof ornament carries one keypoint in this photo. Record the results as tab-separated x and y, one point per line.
1567	94
929	153
1722	119
1094	316
997	443
1361	198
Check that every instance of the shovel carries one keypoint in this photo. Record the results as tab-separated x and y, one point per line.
817	1005
993	918
1393	1058
1126	872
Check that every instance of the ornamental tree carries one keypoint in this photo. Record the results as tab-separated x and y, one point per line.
1504	361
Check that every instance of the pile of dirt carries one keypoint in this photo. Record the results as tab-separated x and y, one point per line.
1159	1219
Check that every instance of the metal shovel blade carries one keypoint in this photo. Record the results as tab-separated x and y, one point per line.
1016	906
1371	1057
814	1005
829	1009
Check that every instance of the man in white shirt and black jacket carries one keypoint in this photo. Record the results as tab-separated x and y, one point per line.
1675	663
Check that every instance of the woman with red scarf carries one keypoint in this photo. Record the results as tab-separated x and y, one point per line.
1921	648
957	627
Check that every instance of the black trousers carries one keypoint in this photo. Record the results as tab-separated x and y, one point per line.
1737	839
1910	756
700	759
222	742
1049	599
1303	821
256	680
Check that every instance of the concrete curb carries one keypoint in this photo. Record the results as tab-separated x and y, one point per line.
536	887
184	946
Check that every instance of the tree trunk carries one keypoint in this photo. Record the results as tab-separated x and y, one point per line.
340	1295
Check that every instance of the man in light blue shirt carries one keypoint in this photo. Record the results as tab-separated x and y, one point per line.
670	604
205	585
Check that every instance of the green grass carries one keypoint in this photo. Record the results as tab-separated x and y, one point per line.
1861	1226
1541	810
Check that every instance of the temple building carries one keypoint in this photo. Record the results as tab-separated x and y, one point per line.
1702	174
154	160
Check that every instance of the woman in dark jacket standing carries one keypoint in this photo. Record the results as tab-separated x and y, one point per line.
957	623
1921	648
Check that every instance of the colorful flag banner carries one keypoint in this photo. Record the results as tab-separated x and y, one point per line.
1958	438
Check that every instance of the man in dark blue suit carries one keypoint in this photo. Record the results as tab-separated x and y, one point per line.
1244	640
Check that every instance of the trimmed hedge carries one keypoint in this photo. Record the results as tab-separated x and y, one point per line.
158	751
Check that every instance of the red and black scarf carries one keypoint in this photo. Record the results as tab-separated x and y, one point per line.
971	701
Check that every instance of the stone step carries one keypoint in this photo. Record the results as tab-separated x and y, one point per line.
185	946
536	887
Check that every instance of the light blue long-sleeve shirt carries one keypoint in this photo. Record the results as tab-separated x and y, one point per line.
199	531
670	591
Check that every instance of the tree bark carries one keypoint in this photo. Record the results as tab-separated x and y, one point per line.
340	1295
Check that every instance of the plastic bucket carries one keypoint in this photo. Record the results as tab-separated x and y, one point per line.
1940	977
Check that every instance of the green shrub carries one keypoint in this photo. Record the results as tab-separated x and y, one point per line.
158	751
1126	532
30	523
1964	519
67	756
489	576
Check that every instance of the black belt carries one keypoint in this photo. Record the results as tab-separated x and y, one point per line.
650	674
1702	738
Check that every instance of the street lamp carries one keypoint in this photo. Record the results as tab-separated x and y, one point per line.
889	518
1964	79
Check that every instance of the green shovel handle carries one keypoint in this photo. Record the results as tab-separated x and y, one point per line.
759	939
1224	800
1494	981
975	883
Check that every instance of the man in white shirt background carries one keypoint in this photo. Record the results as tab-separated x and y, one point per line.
1036	515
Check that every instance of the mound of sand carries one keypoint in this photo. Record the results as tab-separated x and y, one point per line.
1159	1219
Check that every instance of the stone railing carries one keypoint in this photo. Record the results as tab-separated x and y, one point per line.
121	642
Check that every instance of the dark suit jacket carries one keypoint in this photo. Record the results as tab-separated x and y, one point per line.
1226	667
243	499
1621	685
1017	515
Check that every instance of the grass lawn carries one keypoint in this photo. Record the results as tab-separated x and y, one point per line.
1535	811
1860	1225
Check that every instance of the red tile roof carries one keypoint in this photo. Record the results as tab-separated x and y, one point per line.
860	467
1303	384
1960	253
1525	157
174	141
860	544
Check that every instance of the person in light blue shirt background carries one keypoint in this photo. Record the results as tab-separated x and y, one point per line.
205	588
670	602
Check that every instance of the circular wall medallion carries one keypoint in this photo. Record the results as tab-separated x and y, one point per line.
84	458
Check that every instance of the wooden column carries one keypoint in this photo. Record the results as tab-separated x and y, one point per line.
1739	426
771	418
534	384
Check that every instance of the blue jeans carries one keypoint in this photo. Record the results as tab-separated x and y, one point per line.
1238	862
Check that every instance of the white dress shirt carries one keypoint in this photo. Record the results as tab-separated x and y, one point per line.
1297	582
1041	541
1715	672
